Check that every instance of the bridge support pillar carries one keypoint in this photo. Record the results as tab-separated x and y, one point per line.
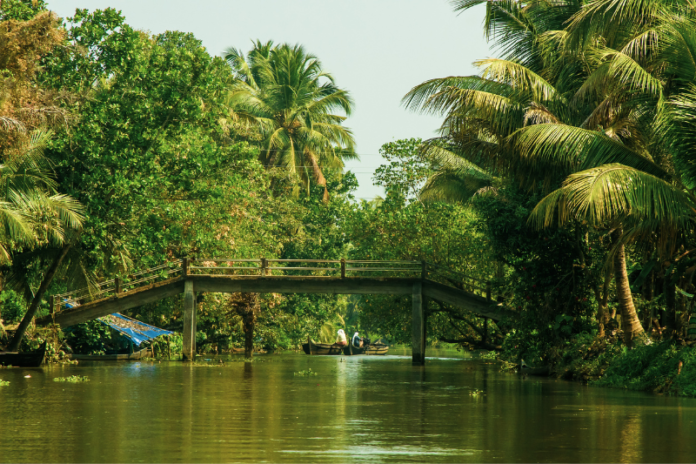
418	325
189	349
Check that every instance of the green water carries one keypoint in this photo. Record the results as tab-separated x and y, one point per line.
361	409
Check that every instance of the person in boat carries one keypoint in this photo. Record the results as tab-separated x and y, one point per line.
341	339
360	342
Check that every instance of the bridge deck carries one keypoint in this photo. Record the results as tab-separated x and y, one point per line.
273	284
418	279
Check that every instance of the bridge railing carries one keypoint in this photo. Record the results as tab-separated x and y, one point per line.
118	285
316	268
304	267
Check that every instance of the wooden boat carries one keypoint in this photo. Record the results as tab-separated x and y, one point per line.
531	370
322	348
31	359
371	349
144	353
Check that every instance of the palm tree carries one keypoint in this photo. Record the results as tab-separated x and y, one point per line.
571	102
284	94
34	217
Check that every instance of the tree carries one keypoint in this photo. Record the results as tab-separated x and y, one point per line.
440	233
550	109
34	217
290	100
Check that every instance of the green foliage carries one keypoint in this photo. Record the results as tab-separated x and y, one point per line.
21	10
583	357
306	373
13	306
552	274
407	168
654	368
91	337
392	229
149	131
4	383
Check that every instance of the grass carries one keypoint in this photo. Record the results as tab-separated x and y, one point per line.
72	379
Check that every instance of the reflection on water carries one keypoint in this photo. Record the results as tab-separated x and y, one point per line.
358	409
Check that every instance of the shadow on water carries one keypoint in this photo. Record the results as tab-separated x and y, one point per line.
356	409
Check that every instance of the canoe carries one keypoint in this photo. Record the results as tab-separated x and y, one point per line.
144	353
31	359
371	349
531	370
322	348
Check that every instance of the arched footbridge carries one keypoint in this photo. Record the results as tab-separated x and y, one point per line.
419	279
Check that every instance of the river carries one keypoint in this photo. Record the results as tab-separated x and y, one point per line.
356	409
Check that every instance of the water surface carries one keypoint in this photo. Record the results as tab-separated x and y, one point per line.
357	409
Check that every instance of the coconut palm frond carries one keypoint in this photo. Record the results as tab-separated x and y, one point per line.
539	114
437	95
628	75
612	18
518	77
283	94
675	127
612	194
548	148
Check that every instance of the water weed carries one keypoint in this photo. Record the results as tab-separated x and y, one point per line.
72	379
308	373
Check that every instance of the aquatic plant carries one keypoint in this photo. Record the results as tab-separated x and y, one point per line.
308	373
4	383
475	393
72	379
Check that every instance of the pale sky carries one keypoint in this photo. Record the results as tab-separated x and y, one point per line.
376	49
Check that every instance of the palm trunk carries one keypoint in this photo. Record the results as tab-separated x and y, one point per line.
36	301
318	175
631	324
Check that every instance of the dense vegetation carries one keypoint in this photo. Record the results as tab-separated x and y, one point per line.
563	172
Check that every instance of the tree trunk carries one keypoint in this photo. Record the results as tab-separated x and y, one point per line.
36	301
249	321
631	324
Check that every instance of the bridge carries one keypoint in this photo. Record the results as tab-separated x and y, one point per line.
189	276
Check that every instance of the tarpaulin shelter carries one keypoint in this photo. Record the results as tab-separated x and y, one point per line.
133	329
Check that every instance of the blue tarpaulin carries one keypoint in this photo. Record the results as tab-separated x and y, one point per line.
133	329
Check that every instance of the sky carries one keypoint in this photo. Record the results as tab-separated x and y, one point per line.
376	49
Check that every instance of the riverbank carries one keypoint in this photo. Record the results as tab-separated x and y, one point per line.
665	367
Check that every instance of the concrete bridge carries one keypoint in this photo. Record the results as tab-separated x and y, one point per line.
419	279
